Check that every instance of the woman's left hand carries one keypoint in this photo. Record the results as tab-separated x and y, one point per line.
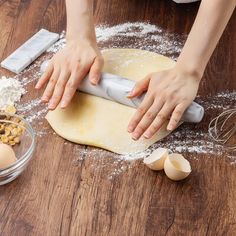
168	95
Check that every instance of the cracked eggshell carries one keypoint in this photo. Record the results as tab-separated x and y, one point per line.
177	167
156	160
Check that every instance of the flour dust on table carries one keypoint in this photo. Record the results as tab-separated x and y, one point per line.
139	35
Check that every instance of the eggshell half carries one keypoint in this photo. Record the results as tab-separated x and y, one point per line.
7	156
177	167
156	160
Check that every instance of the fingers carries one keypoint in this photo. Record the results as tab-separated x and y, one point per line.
62	86
161	117
153	119
71	86
147	120
142	109
176	116
140	87
68	94
95	70
59	90
50	86
171	92
66	70
45	77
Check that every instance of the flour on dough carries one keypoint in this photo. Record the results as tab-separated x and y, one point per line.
102	123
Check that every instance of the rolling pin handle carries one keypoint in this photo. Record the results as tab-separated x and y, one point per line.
194	113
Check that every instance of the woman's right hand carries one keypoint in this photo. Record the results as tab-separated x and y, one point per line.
67	69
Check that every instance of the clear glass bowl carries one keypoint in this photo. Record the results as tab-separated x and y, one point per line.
24	150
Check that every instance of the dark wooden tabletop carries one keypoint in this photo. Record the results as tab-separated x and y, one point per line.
69	189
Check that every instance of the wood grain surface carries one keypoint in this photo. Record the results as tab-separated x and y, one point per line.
70	189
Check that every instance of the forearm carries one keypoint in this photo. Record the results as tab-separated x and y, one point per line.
80	25
208	27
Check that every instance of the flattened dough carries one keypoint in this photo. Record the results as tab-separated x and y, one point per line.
98	122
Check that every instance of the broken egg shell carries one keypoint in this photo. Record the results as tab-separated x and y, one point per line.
156	160
7	156
177	167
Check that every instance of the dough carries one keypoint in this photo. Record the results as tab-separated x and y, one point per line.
102	123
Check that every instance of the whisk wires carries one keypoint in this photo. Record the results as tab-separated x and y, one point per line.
222	129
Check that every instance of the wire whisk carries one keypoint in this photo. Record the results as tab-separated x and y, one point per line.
222	129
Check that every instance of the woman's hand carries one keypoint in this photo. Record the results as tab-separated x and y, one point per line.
168	95
67	69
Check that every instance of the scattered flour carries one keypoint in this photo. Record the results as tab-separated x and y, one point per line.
11	91
218	102
134	35
131	35
59	44
33	110
195	142
138	29
141	36
187	138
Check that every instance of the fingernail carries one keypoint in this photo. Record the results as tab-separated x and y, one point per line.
170	127
130	129
135	136
63	104
147	135
94	81
44	99
36	86
130	94
51	105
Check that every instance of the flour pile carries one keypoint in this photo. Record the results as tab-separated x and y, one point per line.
11	91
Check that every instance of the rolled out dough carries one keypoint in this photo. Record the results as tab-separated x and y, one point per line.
98	122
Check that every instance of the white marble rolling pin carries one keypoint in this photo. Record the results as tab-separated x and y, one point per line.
116	88
29	51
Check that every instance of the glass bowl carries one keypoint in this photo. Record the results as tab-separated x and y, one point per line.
23	151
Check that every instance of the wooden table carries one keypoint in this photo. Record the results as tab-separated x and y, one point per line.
70	189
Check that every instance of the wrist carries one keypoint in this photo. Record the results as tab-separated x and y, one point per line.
81	39
84	31
79	36
190	69
74	42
